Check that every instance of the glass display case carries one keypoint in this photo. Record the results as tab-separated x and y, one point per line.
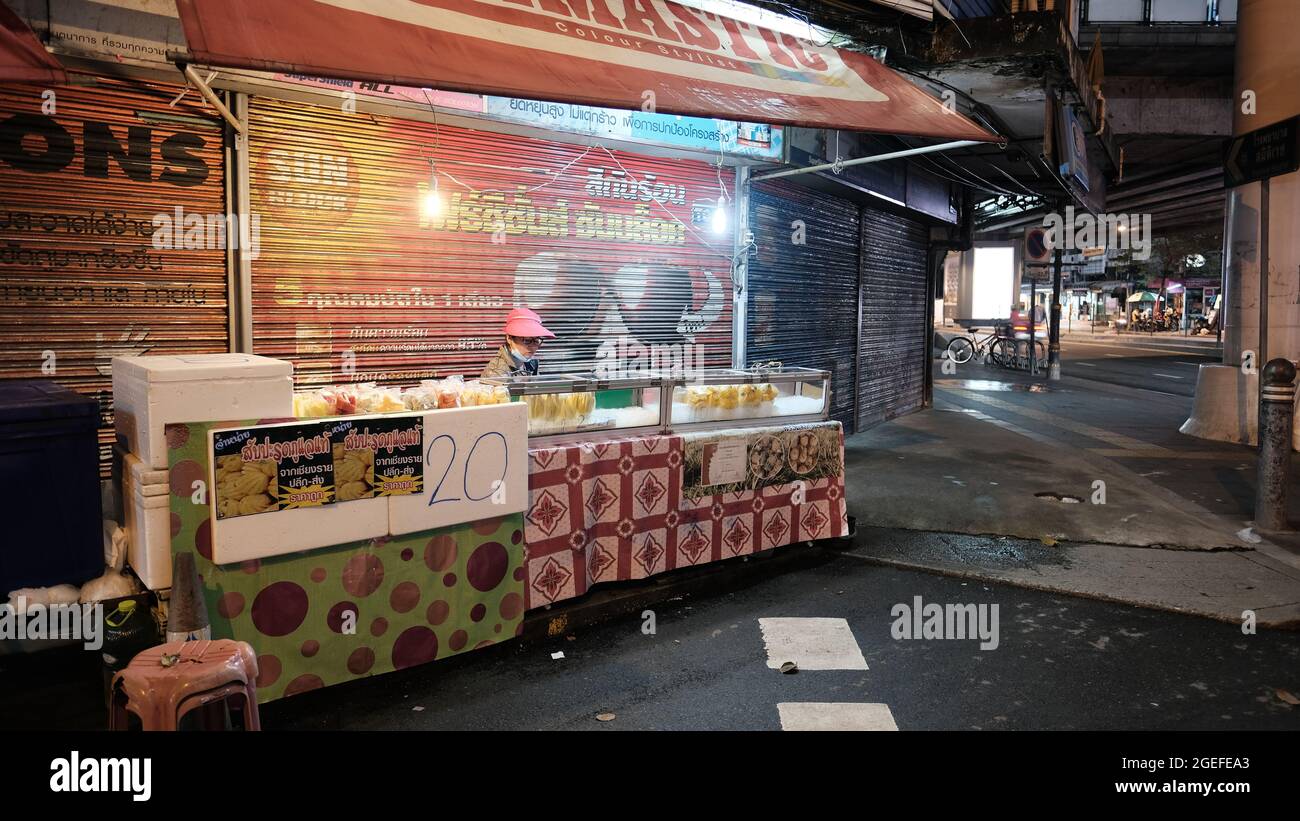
573	404
578	403
728	398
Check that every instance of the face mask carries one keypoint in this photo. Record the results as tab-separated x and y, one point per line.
528	363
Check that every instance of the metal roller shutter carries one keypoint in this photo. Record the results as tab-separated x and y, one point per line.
891	364
83	174
353	282
803	285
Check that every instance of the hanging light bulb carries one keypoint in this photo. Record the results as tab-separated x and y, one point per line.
431	202
718	222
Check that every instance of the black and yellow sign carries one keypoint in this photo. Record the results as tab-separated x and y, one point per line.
259	470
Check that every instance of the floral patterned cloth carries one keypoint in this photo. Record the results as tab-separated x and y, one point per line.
615	511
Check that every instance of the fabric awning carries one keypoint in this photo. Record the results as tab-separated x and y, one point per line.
22	57
628	55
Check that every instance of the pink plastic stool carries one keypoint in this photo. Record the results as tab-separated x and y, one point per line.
203	675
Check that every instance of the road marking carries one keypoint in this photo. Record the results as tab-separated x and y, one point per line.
813	644
1059	421
1116	356
1084	364
1167	375
1160	453
812	715
1194	364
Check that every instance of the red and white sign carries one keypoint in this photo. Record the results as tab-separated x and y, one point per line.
594	52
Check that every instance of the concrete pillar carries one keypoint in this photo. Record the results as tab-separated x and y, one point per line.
1267	63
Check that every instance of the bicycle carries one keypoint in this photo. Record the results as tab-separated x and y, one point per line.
1020	356
996	348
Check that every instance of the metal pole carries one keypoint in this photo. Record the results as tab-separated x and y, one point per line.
1033	326
1276	409
1054	328
892	155
1261	355
740	270
243	208
212	98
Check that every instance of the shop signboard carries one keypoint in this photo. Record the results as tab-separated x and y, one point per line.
357	279
698	133
653	55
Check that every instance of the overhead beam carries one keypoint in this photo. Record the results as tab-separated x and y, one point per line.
892	155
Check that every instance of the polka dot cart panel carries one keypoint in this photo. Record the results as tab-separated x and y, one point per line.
329	615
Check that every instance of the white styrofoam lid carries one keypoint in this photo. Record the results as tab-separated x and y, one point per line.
196	367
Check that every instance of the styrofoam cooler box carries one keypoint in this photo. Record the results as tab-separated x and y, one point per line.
146	502
151	391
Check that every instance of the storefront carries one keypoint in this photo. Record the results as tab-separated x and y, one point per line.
89	174
364	254
841	286
805	287
356	279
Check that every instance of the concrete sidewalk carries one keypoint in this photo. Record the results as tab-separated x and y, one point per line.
1220	585
961	471
1008	501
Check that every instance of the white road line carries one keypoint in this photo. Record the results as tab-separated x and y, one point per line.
1084	364
1055	420
813	644
1168	375
1193	364
811	715
1116	356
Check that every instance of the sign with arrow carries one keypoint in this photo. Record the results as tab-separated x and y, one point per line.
1263	153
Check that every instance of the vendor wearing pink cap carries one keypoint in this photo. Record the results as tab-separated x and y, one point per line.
524	335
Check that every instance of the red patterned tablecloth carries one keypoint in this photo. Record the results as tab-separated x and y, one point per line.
617	510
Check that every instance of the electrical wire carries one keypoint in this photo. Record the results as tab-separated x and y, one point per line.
981	179
983	185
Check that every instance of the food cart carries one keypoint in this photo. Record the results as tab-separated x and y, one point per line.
365	529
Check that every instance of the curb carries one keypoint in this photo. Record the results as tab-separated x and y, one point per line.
984	575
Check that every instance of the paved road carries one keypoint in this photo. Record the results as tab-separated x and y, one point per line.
1060	663
1171	372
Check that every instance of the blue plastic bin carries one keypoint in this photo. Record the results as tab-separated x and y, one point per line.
49	486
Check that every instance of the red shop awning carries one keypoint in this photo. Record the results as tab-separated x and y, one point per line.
22	57
577	51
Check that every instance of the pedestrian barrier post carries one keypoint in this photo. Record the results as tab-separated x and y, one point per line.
1276	407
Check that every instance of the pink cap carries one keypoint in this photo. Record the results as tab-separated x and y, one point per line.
524	322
